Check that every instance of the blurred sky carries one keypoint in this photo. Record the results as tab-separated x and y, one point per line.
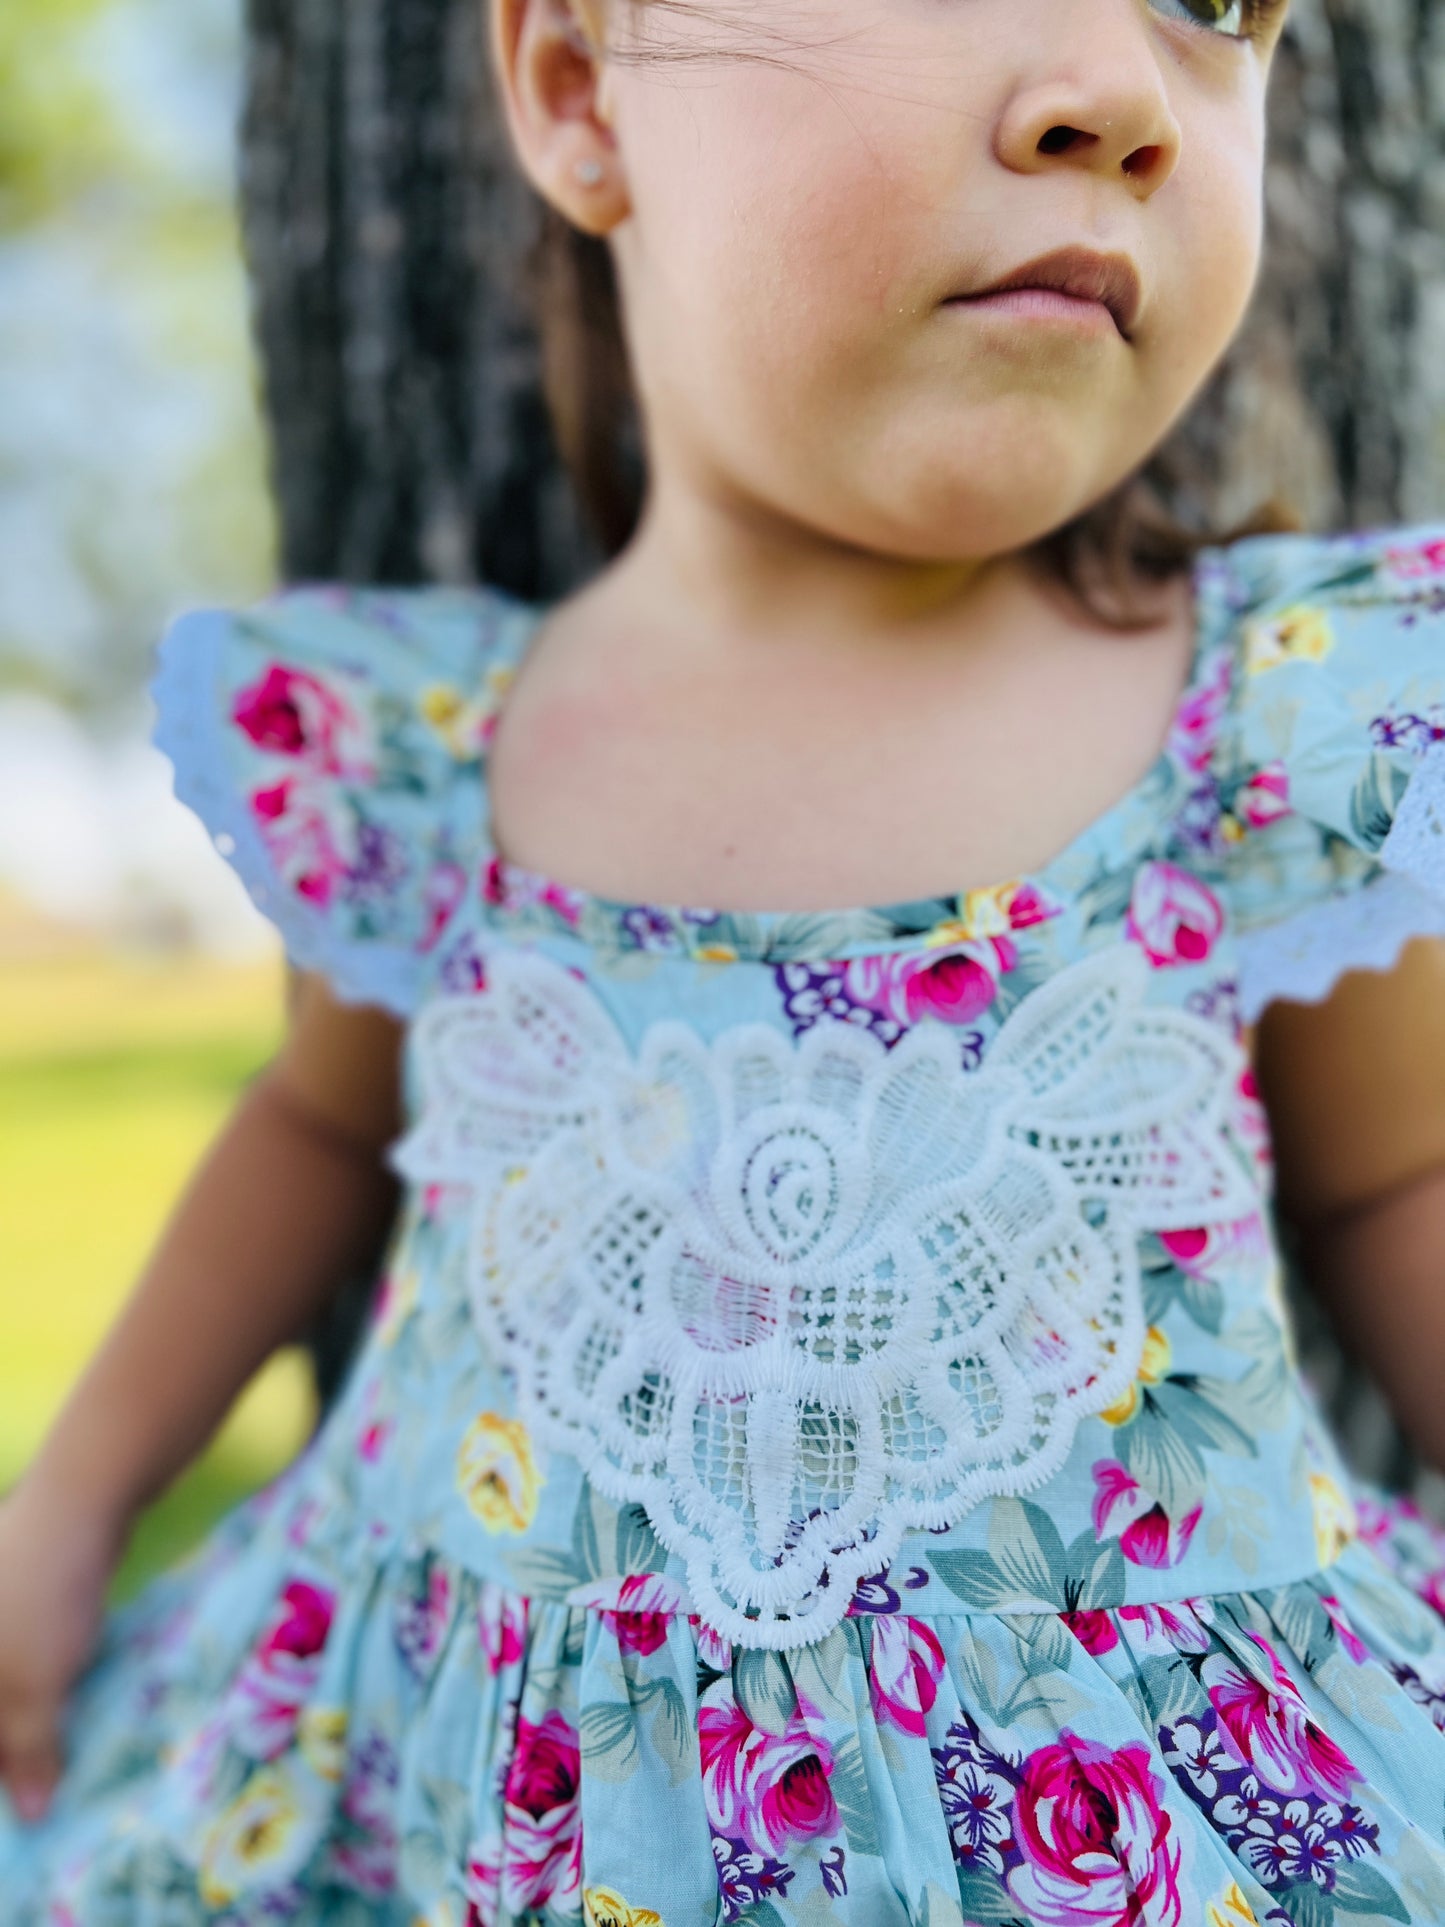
131	458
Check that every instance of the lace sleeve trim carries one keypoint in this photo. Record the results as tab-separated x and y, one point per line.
186	691
1303	958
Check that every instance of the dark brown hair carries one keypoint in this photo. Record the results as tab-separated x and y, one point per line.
1102	557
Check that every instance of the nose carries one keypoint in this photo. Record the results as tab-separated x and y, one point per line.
1094	97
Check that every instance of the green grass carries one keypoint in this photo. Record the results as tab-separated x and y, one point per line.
114	1076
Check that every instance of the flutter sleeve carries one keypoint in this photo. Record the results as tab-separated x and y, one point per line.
333	743
1335	792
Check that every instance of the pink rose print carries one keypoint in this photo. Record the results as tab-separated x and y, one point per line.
1203	1252
907	1666
637	1608
291	713
483	1892
304	844
1181	1626
1147	1535
715	1652
263	1706
1176	918
954	983
302	1622
1418	563
501	1627
1095	1631
542	1839
1098	1847
1270	1730
516	889
445	887
1265	798
1196	727
1358	1651
765	1789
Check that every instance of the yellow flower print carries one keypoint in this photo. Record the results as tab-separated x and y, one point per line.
1301	634
464	723
1335	1522
266	1833
719	953
604	1907
321	1736
1153	1366
497	1473
1231	1909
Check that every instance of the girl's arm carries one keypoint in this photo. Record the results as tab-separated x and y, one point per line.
292	1199
1355	1089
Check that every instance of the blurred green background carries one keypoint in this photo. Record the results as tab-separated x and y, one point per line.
138	991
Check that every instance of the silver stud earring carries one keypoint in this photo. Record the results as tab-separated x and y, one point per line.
590	173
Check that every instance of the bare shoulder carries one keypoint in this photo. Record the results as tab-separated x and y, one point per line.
1355	1086
340	1063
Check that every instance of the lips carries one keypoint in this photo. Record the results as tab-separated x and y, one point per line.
1082	272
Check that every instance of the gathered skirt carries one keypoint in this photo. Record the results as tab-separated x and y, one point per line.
295	1727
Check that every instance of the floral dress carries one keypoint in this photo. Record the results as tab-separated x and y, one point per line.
828	1447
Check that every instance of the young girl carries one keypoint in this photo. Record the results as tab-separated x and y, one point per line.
828	1448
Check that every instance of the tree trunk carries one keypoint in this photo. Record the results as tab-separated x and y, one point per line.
387	232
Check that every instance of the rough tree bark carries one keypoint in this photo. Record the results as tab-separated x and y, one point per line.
386	231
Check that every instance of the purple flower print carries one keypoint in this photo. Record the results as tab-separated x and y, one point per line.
1283	1840
422	1612
833	1867
977	1806
378	867
1408	730
746	1877
812	992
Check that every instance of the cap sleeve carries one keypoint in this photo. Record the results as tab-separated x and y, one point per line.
1335	797
332	741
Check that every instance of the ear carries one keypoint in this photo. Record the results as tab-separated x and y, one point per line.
550	61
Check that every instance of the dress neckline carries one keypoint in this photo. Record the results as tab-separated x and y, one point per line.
524	899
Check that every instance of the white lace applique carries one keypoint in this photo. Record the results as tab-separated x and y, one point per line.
1304	957
797	1298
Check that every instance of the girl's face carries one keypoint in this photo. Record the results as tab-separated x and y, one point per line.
799	194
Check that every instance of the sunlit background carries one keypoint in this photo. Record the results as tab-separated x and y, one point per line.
138	990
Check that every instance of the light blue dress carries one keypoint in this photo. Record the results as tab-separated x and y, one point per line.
828	1448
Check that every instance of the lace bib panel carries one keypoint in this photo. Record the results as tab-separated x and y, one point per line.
797	1298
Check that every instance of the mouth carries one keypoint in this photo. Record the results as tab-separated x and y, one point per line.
1071	284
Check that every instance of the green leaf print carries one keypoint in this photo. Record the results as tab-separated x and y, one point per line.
451	1810
763	1914
1361	1889
1106	897
609	1741
1167	1284
1163	1463
1093	1573
1028	1550
1193	1406
985	1901
974	1577
638	1547
672	1735
1376	800
849	1785
424	1864
1043	1643
765	1692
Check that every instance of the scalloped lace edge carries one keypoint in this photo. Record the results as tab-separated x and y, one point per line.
1303	958
185	690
